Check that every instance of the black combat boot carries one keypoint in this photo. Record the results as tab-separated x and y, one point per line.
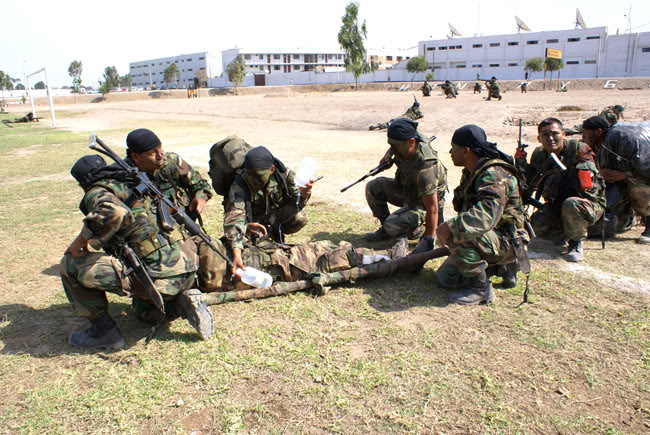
102	334
190	305
610	222
575	251
477	290
379	235
645	235
510	277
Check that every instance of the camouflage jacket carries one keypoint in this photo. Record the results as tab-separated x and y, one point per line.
109	223
609	114
179	181
420	176
413	113
486	199
575	156
244	206
493	86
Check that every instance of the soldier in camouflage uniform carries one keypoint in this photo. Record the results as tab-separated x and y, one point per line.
611	113
263	199
494	89
426	89
418	188
171	174
169	258
490	214
574	199
449	89
477	88
413	113
623	174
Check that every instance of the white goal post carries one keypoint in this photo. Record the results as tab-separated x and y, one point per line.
49	94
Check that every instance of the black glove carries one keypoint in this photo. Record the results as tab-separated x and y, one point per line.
426	244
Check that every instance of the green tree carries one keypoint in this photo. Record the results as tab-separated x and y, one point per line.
126	81
429	76
417	64
350	38
533	65
39	85
74	70
111	80
170	73
552	64
236	70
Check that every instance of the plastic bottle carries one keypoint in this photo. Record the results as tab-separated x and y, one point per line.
305	171
254	277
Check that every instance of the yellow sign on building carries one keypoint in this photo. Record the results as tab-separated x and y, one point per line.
552	52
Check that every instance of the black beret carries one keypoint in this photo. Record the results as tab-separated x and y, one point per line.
470	136
258	158
85	166
141	140
402	129
594	123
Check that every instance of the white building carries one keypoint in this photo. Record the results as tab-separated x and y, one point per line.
149	73
587	53
285	61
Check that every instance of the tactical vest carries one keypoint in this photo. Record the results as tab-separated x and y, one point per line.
428	159
513	212
279	177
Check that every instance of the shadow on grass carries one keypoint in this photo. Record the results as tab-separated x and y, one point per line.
44	332
53	270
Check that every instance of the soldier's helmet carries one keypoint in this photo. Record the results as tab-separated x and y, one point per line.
619	108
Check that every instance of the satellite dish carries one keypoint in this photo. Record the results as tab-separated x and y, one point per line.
579	20
454	31
521	25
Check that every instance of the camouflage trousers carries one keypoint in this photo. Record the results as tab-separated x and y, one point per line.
284	263
87	279
494	93
406	220
470	259
569	219
291	222
639	193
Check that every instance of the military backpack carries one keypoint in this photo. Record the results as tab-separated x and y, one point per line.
226	157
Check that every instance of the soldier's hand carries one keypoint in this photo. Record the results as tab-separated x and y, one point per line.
612	175
237	263
426	244
78	247
388	158
305	191
444	233
198	205
255	228
520	154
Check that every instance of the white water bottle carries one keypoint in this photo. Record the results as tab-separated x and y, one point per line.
305	171
254	277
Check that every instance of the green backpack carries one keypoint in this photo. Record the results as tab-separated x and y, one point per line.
226	157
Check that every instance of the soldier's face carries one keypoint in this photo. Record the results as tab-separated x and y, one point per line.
457	155
150	160
593	138
257	178
552	138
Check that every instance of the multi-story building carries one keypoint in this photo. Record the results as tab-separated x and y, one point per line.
586	53
285	61
149	73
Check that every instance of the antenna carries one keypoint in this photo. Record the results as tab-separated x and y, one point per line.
580	22
453	31
521	25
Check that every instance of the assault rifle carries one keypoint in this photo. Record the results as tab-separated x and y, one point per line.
537	181
374	171
168	210
521	146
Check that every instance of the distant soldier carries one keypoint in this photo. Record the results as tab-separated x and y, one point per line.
450	89
426	89
413	113
611	113
494	89
478	87
27	118
524	87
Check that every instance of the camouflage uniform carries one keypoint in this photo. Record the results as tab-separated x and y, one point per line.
449	89
274	205
169	257
489	210
477	88
420	176
494	90
569	209
413	113
285	263
608	113
179	181
426	89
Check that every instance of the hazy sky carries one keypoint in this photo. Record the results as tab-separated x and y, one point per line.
51	33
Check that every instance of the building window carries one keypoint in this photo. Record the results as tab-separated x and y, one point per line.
593	37
477	45
431	48
573	40
202	68
513	64
168	62
399	58
201	58
247	56
189	59
189	69
572	62
339	56
460	66
296	56
459	47
645	49
495	44
276	56
442	48
532	42
297	67
590	62
261	68
477	65
276	67
513	43
552	41
389	58
494	65
437	67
